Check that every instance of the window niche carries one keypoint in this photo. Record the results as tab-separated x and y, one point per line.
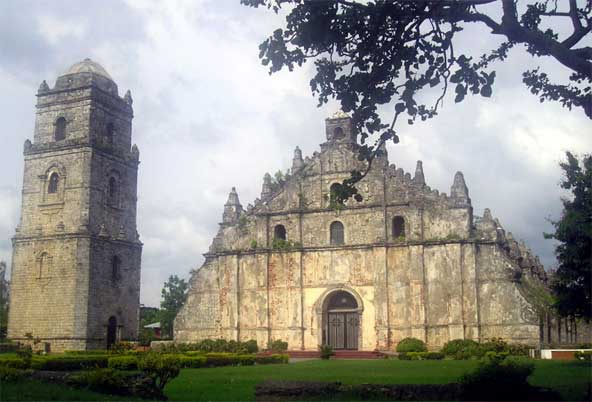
59	132
398	228
279	232
338	133
44	265
113	192
53	183
337	233
109	134
115	268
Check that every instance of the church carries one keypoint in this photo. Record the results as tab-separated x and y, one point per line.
406	261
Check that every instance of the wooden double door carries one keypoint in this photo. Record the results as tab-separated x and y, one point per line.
343	328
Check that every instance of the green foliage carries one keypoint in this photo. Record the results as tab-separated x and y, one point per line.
160	369
326	351
122	347
11	374
123	363
277	346
461	349
281	244
26	354
14	362
104	380
3	301
497	378
411	345
406	54
192	361
421	356
272	359
214	345
254	244
68	363
586	356
572	282
174	294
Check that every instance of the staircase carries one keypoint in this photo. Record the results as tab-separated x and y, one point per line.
339	354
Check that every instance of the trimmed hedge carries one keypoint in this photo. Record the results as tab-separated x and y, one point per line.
13	362
69	363
421	356
464	349
10	374
411	345
123	363
272	359
212	346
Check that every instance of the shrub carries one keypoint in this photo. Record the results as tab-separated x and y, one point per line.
192	361
404	356
69	363
105	380
25	353
14	362
123	363
497	379
411	345
272	359
122	347
160	369
11	374
461	349
87	352
433	356
277	346
221	359
586	356
251	346
326	351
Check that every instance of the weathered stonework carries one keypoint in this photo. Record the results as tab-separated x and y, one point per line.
76	253
450	275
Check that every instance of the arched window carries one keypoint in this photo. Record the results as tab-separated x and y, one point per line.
337	233
333	191
54	182
60	129
342	300
111	331
279	232
338	133
398	227
113	191
115	268
109	133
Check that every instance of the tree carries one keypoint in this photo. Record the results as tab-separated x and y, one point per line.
4	297
572	283
406	54
174	294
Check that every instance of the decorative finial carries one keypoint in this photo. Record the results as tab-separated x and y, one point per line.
487	215
122	235
266	188
128	98
103	231
459	191
135	152
43	87
419	178
28	145
233	208
297	162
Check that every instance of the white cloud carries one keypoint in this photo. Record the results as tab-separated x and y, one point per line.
57	29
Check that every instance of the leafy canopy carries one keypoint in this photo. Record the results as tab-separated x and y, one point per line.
406	54
174	294
572	282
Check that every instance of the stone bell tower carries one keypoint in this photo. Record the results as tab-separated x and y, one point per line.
76	251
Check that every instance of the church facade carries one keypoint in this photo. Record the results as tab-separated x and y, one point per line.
406	261
75	280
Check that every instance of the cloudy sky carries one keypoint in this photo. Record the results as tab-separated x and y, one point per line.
208	117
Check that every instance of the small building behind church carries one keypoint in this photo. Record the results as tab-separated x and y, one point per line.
406	261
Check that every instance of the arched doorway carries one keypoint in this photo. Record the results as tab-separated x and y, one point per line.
342	320
111	331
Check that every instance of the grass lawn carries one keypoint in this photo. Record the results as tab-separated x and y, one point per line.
238	383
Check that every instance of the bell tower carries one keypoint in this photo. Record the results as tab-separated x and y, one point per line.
76	251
